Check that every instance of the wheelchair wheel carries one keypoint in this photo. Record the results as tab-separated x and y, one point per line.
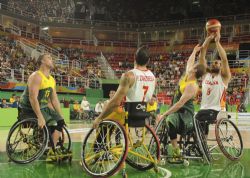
188	143
26	142
149	144
162	134
229	139
65	141
201	139
104	149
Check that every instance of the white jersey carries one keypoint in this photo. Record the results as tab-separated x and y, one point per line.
143	87
213	93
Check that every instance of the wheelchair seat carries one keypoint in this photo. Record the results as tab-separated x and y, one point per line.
137	113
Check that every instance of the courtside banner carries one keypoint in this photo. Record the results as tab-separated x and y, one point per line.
21	86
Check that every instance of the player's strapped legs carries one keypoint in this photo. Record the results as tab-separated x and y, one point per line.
206	117
180	122
53	119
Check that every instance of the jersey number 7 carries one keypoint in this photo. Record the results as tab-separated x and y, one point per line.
145	88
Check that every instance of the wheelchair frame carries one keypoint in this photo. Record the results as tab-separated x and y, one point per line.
130	148
29	138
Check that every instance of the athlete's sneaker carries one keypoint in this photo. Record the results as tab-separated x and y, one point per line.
177	158
176	152
59	153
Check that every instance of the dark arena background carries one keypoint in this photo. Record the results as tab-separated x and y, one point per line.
92	43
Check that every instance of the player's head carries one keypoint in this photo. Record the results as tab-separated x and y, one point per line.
215	66
142	56
152	100
111	94
198	70
45	60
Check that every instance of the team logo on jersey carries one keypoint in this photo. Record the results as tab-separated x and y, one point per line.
141	107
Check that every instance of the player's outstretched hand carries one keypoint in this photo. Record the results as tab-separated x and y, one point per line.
197	48
217	37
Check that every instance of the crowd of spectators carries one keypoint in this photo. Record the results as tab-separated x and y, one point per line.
45	8
168	69
12	102
129	11
81	70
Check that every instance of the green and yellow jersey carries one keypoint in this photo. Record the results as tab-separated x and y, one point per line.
46	88
181	87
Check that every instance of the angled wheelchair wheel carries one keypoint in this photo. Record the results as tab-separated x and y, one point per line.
188	143
201	141
64	141
144	143
104	149
26	142
162	134
229	139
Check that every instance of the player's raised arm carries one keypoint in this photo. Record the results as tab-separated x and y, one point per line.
191	59
188	94
225	69
202	56
126	81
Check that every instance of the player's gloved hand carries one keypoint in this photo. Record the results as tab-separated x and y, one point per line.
96	123
217	37
41	122
159	118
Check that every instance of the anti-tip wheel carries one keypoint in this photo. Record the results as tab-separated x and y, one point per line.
186	163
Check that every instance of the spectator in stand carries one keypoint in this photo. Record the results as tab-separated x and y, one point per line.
65	103
152	104
85	106
99	107
4	104
111	94
16	102
152	109
77	109
12	98
71	100
76	106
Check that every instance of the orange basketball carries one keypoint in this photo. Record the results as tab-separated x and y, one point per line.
213	25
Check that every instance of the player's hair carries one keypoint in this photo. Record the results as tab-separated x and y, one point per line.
40	58
142	56
200	70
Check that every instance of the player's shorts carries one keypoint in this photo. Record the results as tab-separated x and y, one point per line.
51	117
182	121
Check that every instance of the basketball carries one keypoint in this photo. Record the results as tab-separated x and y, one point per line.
212	26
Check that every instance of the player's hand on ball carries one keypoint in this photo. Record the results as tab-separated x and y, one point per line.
197	48
217	37
210	37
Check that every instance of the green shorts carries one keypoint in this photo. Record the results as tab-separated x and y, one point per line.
182	121
51	117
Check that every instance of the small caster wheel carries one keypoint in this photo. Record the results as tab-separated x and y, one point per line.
156	169
59	161
124	174
70	159
162	162
186	163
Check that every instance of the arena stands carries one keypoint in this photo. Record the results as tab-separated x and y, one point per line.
55	8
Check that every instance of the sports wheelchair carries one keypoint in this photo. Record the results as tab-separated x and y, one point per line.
189	142
106	149
195	145
226	138
27	142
